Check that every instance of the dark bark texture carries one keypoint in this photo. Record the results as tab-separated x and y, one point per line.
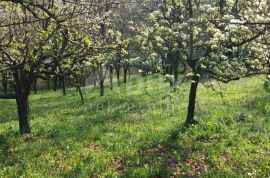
192	101
23	113
111	77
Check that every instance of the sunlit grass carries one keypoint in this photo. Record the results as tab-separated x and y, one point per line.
136	131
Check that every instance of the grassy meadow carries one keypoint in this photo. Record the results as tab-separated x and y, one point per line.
136	130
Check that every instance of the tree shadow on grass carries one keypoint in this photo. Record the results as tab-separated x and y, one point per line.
164	158
75	126
174	156
42	105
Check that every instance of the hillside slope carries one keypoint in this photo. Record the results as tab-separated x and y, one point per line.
136	131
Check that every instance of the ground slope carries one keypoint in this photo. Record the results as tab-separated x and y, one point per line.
136	131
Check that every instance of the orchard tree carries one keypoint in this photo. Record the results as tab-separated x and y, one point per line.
31	50
133	14
222	45
219	40
164	39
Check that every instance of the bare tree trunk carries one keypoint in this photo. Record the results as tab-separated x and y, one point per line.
94	78
23	113
176	66
176	72
163	66
111	77
195	79
22	89
48	84
192	101
129	73
101	88
117	69
35	86
5	82
80	91
63	85
101	80
125	74
55	83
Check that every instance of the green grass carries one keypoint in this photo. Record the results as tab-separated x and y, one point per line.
136	131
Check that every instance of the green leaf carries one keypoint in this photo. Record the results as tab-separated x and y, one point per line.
124	52
87	40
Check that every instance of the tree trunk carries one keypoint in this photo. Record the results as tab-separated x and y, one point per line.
80	91
55	83
117	68
163	67
192	101
101	79
23	113
111	77
195	79
48	84
175	70
59	80
94	78
5	83
35	86
101	88
125	74
128	72
171	69
167	69
63	85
